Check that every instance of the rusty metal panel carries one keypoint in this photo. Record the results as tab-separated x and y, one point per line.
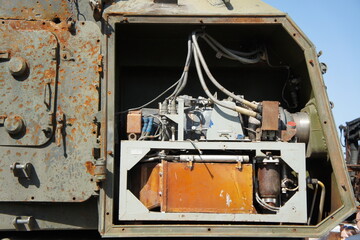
62	166
270	115
150	185
37	9
27	86
52	216
207	188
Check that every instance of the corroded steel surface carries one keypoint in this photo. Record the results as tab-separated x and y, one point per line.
269	180
29	95
57	101
270	116
207	187
37	9
150	185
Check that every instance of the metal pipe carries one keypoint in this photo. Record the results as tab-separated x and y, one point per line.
232	55
313	204
198	54
302	121
186	69
214	158
216	101
322	200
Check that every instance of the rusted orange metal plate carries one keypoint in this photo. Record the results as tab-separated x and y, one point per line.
207	188
270	116
133	124
150	184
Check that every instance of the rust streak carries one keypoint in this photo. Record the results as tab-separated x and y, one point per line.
90	167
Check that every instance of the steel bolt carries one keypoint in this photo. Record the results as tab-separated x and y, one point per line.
13	124
17	66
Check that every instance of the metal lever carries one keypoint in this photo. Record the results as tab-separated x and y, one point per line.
47	94
21	170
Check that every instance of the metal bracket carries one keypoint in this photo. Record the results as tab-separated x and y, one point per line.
21	170
67	55
20	222
239	164
5	54
271	160
190	164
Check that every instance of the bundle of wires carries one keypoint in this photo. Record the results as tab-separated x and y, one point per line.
250	108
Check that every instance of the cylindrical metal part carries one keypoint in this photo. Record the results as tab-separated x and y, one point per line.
13	124
215	158
17	66
302	121
269	180
22	221
173	107
100	170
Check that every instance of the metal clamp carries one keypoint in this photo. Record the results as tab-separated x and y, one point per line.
21	170
270	160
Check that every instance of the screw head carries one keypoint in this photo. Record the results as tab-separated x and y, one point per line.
13	124
17	66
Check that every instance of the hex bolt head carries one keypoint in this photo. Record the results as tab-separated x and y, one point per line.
17	66
13	124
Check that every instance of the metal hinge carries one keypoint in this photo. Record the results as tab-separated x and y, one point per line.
100	169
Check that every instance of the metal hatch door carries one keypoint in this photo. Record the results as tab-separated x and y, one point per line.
27	86
49	95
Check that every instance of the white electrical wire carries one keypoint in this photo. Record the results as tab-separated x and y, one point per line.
200	56
265	205
231	54
148	103
194	49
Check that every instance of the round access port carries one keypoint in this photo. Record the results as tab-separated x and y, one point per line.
13	124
